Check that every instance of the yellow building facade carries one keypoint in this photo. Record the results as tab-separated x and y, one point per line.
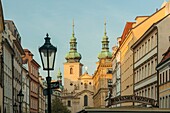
100	80
142	24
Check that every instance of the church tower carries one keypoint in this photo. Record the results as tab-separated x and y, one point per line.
73	67
105	54
103	73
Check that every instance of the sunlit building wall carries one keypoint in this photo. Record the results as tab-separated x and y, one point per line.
142	24
164	80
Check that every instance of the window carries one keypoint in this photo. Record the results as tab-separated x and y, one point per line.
137	76
169	74
85	100
146	48
166	102
156	36
163	105
166	76
69	103
137	55
152	67
148	69
71	70
142	73
142	50
148	92
145	92
152	42
149	45
140	78
155	92
152	92
160	79
163	78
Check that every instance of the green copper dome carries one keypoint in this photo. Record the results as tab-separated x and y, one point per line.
105	47
73	55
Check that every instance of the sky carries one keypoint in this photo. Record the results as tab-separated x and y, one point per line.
35	18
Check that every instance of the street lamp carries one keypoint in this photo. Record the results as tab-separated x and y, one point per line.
20	99
47	54
15	107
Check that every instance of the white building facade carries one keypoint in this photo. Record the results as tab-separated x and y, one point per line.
15	38
8	55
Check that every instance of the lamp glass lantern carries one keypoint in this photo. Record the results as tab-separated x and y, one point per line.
15	107
47	54
20	97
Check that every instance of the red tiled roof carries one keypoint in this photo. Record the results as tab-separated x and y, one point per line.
128	26
166	55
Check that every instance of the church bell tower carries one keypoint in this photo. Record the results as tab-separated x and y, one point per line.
72	66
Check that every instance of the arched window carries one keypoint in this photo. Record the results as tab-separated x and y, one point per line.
85	100
71	70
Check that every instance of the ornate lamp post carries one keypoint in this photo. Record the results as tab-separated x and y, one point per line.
47	54
20	99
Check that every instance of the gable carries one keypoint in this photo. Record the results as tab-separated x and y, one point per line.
85	76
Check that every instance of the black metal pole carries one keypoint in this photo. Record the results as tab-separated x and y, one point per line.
49	93
20	107
48	85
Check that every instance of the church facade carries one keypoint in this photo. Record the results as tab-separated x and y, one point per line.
78	88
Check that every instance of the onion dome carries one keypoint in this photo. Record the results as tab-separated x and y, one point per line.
73	55
105	46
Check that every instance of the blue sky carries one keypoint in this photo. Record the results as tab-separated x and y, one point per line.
35	18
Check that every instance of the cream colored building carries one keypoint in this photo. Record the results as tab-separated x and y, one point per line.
78	87
145	61
116	71
164	80
103	74
126	62
134	32
146	54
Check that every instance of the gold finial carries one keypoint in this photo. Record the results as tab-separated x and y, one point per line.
105	26
73	27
